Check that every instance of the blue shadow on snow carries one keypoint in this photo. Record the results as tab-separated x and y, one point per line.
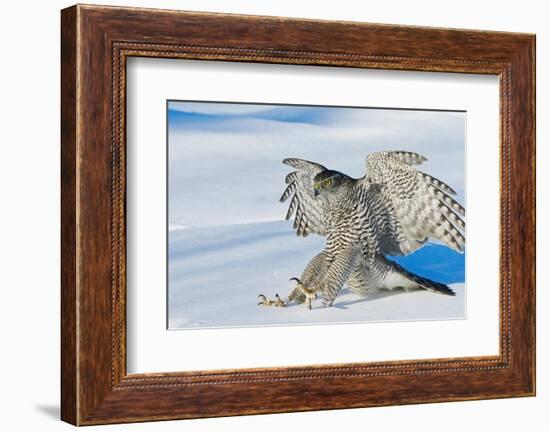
436	262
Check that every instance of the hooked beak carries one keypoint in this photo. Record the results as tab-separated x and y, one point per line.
316	192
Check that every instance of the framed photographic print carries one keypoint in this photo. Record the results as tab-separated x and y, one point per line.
229	155
258	208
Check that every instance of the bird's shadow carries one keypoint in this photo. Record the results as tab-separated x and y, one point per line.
379	294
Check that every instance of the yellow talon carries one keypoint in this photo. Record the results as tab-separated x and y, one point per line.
277	302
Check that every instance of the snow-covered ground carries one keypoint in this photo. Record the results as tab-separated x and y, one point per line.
216	274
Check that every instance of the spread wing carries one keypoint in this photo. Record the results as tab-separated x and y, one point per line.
411	205
308	211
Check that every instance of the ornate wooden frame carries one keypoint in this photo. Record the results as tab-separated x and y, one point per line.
95	43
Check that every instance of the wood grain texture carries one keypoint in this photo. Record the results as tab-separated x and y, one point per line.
96	41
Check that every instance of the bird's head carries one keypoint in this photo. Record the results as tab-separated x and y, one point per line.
327	184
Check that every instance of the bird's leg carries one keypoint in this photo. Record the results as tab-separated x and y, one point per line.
343	265
296	296
302	293
306	285
299	294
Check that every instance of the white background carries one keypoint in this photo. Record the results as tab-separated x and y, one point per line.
29	220
152	349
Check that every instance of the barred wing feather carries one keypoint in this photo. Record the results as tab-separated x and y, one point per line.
415	205
307	211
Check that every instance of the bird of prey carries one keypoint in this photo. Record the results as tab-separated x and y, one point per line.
391	211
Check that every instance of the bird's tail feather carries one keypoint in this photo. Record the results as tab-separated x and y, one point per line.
422	282
432	286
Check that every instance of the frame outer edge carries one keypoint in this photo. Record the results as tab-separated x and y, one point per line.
523	217
532	80
87	396
69	201
533	54
531	63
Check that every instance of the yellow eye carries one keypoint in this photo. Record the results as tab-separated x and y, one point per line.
328	183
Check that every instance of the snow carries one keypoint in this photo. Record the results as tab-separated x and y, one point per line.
216	274
225	167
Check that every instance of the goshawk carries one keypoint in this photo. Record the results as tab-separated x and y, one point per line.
391	211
